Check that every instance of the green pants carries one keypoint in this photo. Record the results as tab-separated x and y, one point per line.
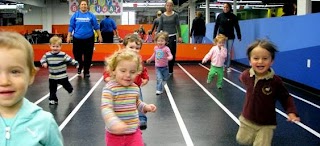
216	71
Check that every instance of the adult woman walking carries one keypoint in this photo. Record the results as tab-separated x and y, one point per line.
82	25
198	28
226	23
169	22
156	22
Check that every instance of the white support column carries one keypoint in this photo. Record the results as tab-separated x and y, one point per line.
207	14
192	11
47	17
304	7
234	7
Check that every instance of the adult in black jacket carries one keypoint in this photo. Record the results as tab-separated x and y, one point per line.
198	29
225	24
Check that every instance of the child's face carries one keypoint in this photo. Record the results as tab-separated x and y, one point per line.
125	72
161	42
15	78
55	48
260	61
220	43
133	46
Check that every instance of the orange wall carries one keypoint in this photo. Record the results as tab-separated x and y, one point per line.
185	52
22	29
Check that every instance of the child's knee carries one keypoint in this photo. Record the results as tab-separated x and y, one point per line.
242	140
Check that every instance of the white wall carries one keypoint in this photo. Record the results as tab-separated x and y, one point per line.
60	14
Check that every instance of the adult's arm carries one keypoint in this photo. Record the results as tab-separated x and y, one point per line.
160	26
216	27
154	25
71	28
237	27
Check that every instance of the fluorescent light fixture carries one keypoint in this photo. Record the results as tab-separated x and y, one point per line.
239	2
8	6
154	5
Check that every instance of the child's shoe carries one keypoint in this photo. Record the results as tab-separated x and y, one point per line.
52	102
71	94
158	92
143	125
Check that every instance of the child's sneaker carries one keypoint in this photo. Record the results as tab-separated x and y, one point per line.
52	102
158	92
143	125
71	94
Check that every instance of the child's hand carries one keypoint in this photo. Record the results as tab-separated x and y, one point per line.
203	61
119	128
150	108
77	66
148	61
144	82
293	118
107	79
45	65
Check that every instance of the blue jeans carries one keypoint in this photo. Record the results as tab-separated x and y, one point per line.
162	75
229	46
142	117
197	39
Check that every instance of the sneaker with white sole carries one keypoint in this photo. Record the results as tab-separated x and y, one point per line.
52	102
158	92
71	94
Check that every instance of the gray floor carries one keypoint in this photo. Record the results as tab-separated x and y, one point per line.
190	112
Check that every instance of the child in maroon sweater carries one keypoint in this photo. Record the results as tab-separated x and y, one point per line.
133	42
264	88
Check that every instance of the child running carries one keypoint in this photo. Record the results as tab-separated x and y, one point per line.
57	61
22	122
264	88
217	55
134	43
120	100
161	56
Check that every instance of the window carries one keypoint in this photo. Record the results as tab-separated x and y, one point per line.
128	18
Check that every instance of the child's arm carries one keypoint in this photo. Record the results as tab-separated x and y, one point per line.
55	136
70	60
151	58
169	57
106	76
223	52
286	101
208	55
43	61
149	108
144	76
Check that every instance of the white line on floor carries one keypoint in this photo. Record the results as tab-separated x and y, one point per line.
75	110
182	126
47	95
277	110
234	118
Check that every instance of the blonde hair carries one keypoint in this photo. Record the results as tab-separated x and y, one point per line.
14	40
159	13
220	38
164	35
170	1
55	40
120	55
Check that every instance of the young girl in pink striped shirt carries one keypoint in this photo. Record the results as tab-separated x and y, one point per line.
217	55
